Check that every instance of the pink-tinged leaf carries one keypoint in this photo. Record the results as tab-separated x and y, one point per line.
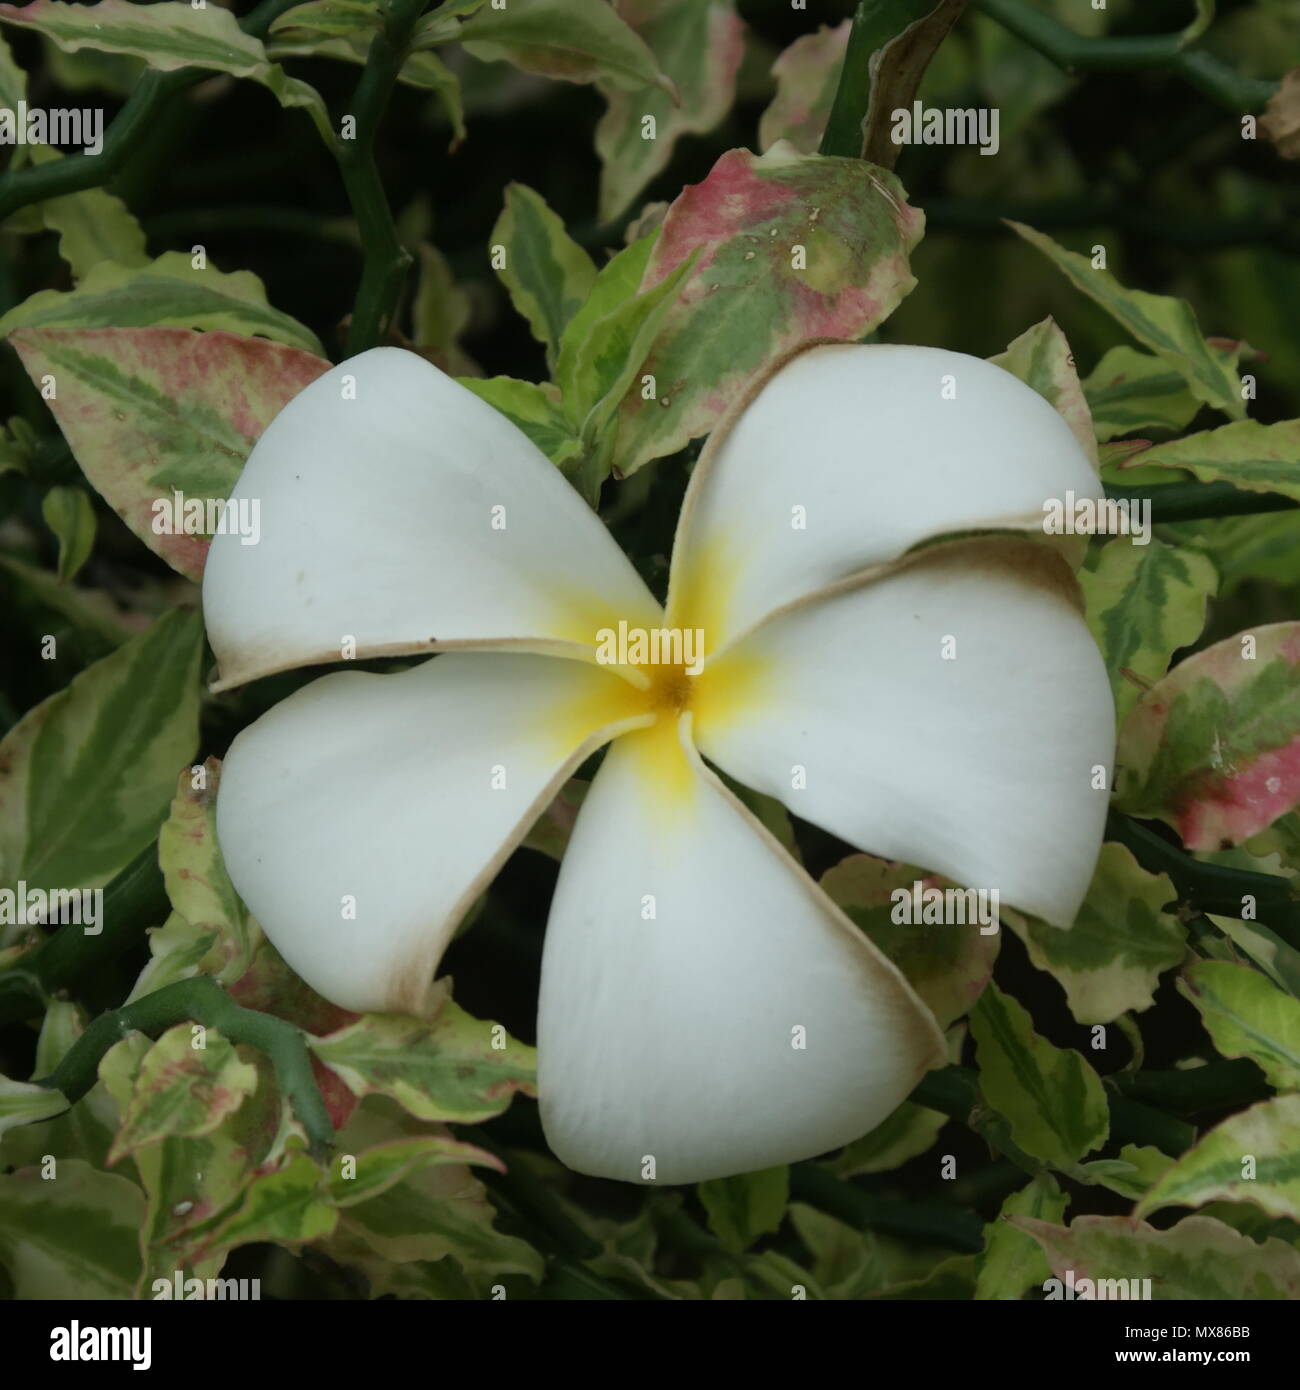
1214	748
789	248
807	74
183	1091
1199	1258
448	1066
699	45
149	412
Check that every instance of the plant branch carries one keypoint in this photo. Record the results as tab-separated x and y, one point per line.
386	259
936	1223
202	1000
1074	53
1211	888
77	172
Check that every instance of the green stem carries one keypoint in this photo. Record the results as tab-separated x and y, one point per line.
1211	888
1200	501
1217	1085
202	1000
954	1091
1074	53
134	900
142	109
936	1223
386	259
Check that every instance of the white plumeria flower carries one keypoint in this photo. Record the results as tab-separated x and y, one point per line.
703	1002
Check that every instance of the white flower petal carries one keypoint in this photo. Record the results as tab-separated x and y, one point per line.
675	1038
384	793
399	509
848	456
980	767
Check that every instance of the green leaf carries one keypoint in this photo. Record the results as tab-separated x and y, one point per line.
1129	391
1245	547
445	1067
1011	1262
947	964
1248	1017
72	1236
616	283
547	274
743	1208
1199	1258
440	312
289	1206
330	18
1122	941
44	603
533	410
85	1130
1253	1156
807	76
952	1279
190	1183
69	514
578	40
85	776
1278	960
22	1103
13	80
93	226
1041	358
198	885
1165	325
1131	1174
605	373
183	1091
699	45
373	1172
909	1131
1051	1097
167	36
166	292
436	1211
1250	456
1144	602
149	412
1214	748
420	69
789	248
